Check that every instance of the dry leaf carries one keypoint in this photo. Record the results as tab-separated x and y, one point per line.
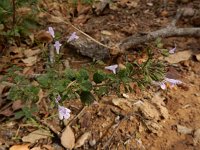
17	105
48	147
197	57
196	137
184	130
15	52
7	112
30	52
44	36
148	111
30	61
122	103
40	95
179	56
20	147
36	135
68	138
36	148
82	139
158	101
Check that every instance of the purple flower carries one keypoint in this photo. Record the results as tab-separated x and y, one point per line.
162	85
64	113
51	31
58	98
112	68
72	37
171	51
57	46
172	82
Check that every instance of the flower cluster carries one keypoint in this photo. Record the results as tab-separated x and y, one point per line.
172	83
57	44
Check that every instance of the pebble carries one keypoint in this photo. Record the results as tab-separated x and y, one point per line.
92	142
188	12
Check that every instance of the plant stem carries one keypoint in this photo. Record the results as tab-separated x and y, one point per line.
14	13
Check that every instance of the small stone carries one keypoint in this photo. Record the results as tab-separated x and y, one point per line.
196	137
188	12
197	57
184	130
149	4
92	142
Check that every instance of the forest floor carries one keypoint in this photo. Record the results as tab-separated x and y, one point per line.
151	119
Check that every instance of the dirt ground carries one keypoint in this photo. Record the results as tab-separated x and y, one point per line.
150	119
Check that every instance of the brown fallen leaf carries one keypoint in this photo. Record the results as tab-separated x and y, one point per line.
20	147
158	101
30	52
7	112
40	95
122	103
36	135
17	105
81	141
36	148
30	61
197	57
43	36
179	56
184	130
68	138
196	137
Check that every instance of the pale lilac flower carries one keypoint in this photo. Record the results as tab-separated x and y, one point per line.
173	82
162	85
72	37
57	46
51	31
112	68
58	98
64	113
171	51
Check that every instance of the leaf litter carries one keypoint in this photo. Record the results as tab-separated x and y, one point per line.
151	111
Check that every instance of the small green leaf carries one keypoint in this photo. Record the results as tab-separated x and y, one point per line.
86	97
44	80
70	74
102	91
86	85
98	77
19	114
165	52
84	74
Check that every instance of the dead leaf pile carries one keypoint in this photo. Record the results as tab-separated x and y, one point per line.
68	138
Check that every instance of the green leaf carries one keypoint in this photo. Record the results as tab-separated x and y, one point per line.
165	52
44	81
102	91
83	74
19	114
15	93
86	85
98	77
70	74
59	85
87	97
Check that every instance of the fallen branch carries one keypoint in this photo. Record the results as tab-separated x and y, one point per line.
94	49
137	39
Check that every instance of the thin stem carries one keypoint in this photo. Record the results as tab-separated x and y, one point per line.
14	13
